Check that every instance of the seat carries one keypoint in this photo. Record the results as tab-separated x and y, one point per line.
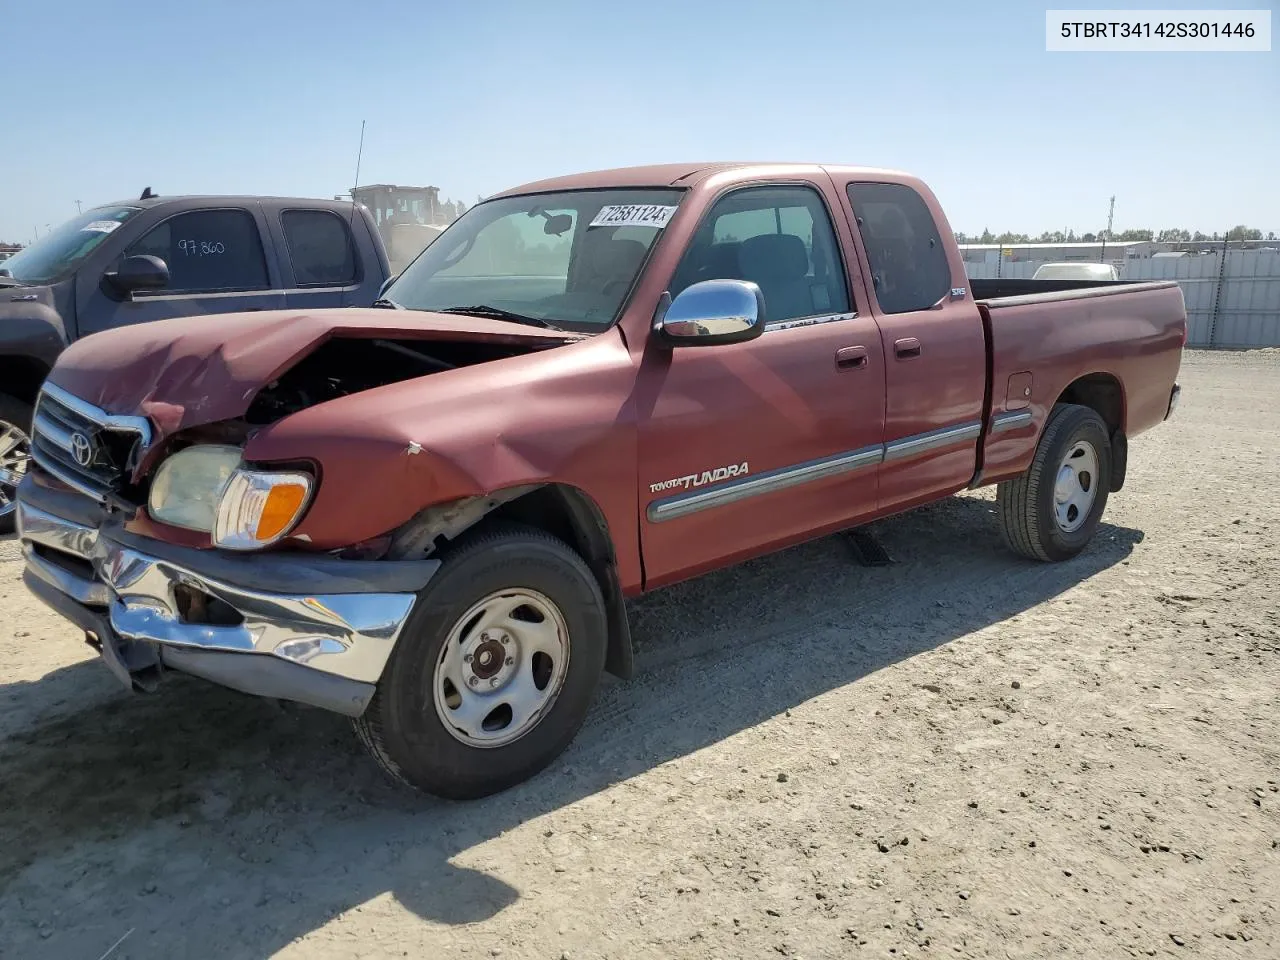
894	265
613	266
779	264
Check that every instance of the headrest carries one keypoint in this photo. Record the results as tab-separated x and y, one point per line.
891	225
614	258
774	256
721	260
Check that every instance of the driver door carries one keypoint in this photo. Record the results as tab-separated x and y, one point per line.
747	447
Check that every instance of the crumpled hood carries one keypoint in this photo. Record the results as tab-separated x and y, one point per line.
195	370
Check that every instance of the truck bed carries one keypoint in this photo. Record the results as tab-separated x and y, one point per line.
1118	342
1001	288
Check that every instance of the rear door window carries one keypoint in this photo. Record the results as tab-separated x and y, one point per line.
904	248
208	250
320	248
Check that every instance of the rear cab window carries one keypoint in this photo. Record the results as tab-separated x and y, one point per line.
909	268
320	248
207	251
780	238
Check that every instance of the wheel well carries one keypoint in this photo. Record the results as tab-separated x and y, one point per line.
22	377
1104	394
569	514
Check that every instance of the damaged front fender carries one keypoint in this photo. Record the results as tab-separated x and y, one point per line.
419	538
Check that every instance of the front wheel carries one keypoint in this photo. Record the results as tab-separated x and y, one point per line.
495	670
1052	511
15	454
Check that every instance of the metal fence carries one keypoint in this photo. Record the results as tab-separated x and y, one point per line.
1230	303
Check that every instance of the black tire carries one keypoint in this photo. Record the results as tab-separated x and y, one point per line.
12	411
401	727
1026	504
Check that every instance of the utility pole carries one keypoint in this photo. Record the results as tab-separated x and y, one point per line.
1111	213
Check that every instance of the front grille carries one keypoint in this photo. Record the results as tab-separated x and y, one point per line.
84	447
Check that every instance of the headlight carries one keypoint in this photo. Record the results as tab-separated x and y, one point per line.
187	487
259	507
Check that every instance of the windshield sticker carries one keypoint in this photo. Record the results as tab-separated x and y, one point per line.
100	226
633	215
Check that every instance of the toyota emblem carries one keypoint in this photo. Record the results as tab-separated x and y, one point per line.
82	449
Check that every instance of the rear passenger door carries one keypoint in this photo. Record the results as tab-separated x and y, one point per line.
319	259
933	340
217	264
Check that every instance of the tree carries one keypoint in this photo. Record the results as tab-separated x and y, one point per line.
1174	235
1199	237
1089	238
1271	235
1241	232
987	236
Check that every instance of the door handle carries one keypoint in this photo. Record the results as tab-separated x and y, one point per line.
908	348
851	358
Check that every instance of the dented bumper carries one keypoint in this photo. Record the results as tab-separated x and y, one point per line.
317	630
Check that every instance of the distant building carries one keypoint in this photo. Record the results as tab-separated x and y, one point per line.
1115	250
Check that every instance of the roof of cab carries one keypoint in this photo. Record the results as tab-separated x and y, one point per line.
672	175
215	199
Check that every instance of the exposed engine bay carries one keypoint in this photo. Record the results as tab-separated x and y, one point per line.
343	366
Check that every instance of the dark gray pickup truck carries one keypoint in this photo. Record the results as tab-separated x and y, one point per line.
161	257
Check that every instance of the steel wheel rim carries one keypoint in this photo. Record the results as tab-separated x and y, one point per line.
15	454
1076	487
501	668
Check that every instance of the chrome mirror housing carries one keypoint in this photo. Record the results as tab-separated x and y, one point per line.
712	312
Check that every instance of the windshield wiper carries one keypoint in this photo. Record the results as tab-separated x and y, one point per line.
388	304
497	313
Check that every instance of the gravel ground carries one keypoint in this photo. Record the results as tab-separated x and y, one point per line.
961	754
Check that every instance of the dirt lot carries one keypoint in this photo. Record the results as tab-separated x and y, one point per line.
959	755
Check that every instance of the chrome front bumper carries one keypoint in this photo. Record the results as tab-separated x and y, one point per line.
263	624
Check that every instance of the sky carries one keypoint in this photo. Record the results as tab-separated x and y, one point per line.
102	100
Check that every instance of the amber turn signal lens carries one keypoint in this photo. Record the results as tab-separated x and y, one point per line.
282	506
260	507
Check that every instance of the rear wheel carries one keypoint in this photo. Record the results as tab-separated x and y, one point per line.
15	453
495	671
1052	511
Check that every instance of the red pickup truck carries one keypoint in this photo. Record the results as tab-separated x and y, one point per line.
427	515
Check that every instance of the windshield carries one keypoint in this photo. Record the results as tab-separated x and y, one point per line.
1074	271
56	254
557	259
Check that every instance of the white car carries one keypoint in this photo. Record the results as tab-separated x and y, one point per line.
1076	271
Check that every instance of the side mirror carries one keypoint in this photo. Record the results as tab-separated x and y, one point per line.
142	272
712	312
